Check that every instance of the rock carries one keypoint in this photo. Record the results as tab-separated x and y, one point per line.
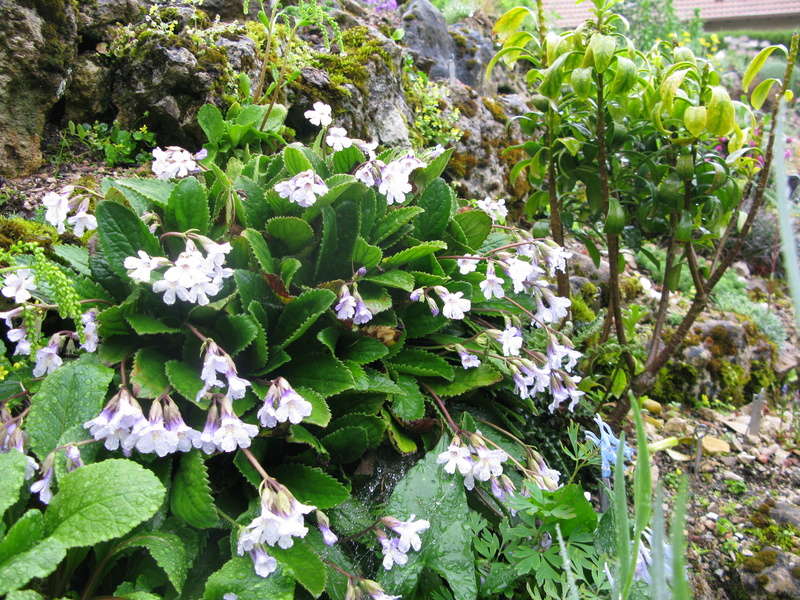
709	414
97	19
731	475
171	77
652	406
714	446
87	97
38	44
677	426
783	512
427	37
473	49
697	356
770	571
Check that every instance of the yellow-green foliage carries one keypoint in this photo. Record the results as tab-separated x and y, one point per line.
16	229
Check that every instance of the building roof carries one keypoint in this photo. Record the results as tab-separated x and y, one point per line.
566	13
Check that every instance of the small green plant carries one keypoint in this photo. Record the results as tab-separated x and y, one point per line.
735	486
434	121
115	145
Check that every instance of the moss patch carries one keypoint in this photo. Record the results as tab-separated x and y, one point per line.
14	229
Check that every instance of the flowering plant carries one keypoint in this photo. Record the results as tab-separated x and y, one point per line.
275	321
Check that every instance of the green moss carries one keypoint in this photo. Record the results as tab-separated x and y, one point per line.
461	163
762	579
631	288
350	65
795	572
673	382
494	107
733	379
14	229
581	312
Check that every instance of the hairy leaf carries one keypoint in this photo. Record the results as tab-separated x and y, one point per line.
190	497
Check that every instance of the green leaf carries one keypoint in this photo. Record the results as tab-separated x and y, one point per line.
720	112
364	351
39	561
102	501
437	200
695	120
421	362
235	332
447	545
141	193
311	485
237	576
251	287
147	375
300	435
184	378
122	234
422	177
304	565
76	257
294	232
187	207
410	405
393	221
374	426
190	496
211	122
756	65
759	95
23	535
466	380
323	374
365	254
71	395
511	21
295	161
396	279
148	325
167	550
347	444
12	466
300	314
414	253
24	595
401	442
320	412
344	160
260	250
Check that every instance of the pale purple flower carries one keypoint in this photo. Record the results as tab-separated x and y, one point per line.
469	361
118	418
492	286
408	531
454	305
363	314
468	263
206	441
303	189
370	173
232	432
488	463
42	486
139	268
263	563
282	403
608	444
152	437
173	421
47	359
496	209
456	457
57	206
392	554
91	339
173	161
337	139
82	221
346	307
73	456
19	285
511	339
324	525
19	336
394	179
319	115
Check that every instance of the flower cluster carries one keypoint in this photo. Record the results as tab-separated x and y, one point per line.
282	518
18	285
215	362
174	161
352	306
396	549
16	335
192	277
281	404
454	305
13	438
496	209
608	444
303	189
57	210
391	180
474	461
358	587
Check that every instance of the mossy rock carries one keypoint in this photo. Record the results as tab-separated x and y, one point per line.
16	229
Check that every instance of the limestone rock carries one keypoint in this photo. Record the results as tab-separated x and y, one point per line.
714	446
96	19
427	37
38	42
87	98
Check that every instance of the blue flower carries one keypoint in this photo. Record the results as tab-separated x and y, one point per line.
608	444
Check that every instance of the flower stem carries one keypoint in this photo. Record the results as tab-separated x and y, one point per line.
454	428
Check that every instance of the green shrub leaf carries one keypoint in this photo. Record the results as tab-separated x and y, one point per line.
39	561
69	396
437	200
311	485
190	497
237	576
184	378
167	550
147	375
294	232
422	362
149	325
102	501
414	253
23	535
410	405
304	565
187	207
300	314
122	234
476	225
466	380
347	444
393	221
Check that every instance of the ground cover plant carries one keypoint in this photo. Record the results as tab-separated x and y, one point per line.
285	369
